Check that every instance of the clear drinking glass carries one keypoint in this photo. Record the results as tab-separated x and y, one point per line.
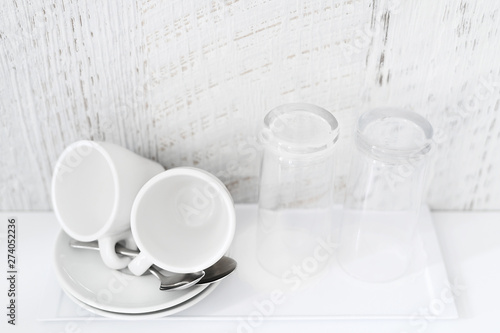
384	192
296	186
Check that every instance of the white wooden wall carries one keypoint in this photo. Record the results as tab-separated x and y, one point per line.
188	83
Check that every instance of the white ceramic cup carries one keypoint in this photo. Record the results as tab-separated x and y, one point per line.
93	188
182	220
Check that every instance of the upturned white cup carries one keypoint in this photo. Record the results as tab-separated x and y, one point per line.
182	220
93	188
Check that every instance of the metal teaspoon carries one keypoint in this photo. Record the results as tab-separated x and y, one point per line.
216	272
171	282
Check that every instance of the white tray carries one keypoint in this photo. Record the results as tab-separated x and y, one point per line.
252	294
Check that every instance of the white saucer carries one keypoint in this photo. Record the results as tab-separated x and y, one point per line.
83	275
147	315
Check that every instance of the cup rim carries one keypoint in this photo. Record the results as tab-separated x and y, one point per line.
228	203
109	222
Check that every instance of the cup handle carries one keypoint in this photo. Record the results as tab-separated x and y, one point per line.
139	264
107	250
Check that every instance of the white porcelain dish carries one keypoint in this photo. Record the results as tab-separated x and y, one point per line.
147	315
83	275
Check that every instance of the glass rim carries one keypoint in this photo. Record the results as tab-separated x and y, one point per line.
295	146
386	150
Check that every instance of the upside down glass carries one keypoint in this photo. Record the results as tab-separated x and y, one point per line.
383	195
296	187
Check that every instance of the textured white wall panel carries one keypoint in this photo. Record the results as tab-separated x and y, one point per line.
442	59
188	83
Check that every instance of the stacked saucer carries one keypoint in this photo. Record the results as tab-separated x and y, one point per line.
117	293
